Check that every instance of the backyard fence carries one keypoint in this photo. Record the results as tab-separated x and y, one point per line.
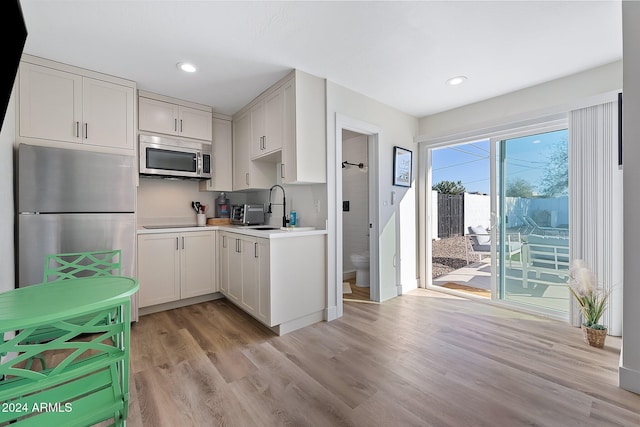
450	215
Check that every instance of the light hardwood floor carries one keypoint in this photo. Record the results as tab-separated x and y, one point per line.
422	359
357	293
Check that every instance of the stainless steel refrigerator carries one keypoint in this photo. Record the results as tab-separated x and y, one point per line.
72	201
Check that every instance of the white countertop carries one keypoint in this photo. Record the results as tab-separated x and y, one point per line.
240	229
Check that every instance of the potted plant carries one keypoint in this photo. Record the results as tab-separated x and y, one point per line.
592	300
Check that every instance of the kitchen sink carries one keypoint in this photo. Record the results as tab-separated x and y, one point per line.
266	227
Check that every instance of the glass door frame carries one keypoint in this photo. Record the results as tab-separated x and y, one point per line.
497	291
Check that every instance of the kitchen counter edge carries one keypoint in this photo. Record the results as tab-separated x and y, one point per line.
270	234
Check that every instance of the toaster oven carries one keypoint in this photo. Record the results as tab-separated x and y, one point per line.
247	214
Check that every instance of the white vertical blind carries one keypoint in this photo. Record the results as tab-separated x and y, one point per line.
595	203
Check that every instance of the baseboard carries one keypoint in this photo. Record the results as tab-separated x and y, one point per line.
177	304
403	289
330	313
301	322
629	379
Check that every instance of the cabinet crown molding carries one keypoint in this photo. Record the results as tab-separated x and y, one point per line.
182	102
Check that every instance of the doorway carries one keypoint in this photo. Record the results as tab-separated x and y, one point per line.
372	134
526	234
355	217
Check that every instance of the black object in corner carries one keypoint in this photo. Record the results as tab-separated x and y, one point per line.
620	129
14	43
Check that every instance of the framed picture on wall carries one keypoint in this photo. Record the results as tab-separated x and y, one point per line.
402	166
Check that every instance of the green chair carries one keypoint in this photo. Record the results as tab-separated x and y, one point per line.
74	265
82	264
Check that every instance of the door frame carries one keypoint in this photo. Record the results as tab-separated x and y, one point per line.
494	133
373	136
497	291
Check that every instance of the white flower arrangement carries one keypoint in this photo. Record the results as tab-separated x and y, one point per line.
592	298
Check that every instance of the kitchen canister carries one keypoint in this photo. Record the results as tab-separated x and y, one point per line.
201	220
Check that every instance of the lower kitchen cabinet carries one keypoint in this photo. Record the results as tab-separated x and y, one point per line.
280	282
174	266
244	272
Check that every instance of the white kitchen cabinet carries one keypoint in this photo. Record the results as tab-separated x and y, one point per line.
273	280
222	153
284	125
158	268
56	104
248	174
243	260
173	118
174	266
304	130
197	264
267	119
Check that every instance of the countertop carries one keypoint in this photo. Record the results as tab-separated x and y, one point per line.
240	229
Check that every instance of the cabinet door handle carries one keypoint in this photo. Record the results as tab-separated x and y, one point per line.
177	244
86	131
224	241
246	178
175	125
255	249
282	170
180	125
183	243
77	129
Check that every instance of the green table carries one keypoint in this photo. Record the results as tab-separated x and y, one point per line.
90	383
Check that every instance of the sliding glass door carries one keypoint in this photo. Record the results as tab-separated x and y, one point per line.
530	209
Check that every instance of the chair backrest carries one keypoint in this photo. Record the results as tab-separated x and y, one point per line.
82	264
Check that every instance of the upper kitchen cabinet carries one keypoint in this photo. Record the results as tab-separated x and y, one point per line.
161	114
222	156
61	103
267	121
304	150
288	126
248	174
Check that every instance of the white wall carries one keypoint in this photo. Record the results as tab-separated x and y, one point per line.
556	96
477	211
396	230
162	201
355	189
7	214
630	359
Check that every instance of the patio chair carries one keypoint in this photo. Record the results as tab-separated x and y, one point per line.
545	231
479	244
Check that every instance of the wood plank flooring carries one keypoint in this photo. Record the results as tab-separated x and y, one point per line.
357	293
422	359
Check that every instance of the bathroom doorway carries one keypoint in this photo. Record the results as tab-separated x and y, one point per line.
355	217
334	188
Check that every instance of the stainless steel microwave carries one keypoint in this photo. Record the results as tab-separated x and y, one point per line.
168	157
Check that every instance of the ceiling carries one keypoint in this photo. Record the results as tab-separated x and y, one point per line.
399	53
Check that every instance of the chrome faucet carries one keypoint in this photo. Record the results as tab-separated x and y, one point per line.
285	221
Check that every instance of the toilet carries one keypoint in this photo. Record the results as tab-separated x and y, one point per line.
361	262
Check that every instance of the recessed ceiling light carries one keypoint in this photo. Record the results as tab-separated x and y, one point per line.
454	81
186	67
